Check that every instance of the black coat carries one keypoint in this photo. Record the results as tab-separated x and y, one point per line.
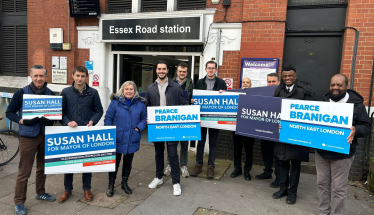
285	151
218	85
174	94
81	108
360	121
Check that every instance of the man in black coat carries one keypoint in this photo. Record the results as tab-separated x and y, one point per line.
165	92
289	153
209	82
81	106
333	168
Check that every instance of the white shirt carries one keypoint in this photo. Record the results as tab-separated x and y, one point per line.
289	89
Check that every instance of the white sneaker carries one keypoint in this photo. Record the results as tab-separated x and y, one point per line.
155	183
185	173
177	190
167	171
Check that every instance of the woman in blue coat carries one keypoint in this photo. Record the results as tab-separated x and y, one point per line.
127	111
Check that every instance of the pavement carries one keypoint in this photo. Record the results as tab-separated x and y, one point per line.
200	196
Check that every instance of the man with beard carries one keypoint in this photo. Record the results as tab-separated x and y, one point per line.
267	147
165	92
186	84
31	142
288	153
333	168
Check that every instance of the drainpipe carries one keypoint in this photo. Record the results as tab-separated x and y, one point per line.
218	49
368	144
353	68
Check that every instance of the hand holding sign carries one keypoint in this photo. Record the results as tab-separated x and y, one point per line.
72	124
351	135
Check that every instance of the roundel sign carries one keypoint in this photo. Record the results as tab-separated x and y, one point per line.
229	83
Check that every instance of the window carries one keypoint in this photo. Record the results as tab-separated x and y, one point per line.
191	4
154	5
13	38
13	6
120	6
315	2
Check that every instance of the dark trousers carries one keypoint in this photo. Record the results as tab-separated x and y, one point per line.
289	178
126	167
86	181
213	136
267	151
239	142
28	148
173	157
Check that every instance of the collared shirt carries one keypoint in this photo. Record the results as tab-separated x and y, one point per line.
343	100
161	90
80	90
210	83
181	83
289	89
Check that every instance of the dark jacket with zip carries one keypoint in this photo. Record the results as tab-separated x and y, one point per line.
220	84
14	113
174	94
81	107
285	151
189	87
360	121
126	118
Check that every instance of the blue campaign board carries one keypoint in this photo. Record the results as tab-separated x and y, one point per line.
320	125
42	106
258	119
81	149
173	123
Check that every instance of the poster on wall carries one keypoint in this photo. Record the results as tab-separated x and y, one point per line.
257	70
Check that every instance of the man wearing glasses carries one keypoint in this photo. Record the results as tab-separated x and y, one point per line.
209	82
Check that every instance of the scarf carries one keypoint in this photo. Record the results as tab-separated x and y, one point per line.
38	91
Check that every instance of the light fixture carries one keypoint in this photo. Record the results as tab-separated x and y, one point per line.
215	1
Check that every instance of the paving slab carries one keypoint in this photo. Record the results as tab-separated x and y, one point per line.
220	168
102	200
206	211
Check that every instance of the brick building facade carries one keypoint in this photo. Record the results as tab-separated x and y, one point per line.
250	29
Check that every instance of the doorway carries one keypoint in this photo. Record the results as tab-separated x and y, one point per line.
140	67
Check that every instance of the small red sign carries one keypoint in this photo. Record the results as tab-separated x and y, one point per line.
95	84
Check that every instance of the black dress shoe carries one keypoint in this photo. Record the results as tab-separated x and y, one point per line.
236	173
291	199
275	184
262	176
247	176
282	192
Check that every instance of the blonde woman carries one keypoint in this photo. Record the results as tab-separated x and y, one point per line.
127	111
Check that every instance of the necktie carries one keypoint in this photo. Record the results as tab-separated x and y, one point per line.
289	89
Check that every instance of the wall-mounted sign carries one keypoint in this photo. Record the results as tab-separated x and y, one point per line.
63	63
153	29
82	8
55	62
229	82
59	76
96	80
89	67
257	70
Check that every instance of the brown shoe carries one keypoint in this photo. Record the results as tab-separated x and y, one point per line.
88	195
210	172
64	196
197	170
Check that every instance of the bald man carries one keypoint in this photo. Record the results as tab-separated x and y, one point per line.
246	83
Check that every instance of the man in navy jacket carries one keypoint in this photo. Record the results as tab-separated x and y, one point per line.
31	142
81	106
